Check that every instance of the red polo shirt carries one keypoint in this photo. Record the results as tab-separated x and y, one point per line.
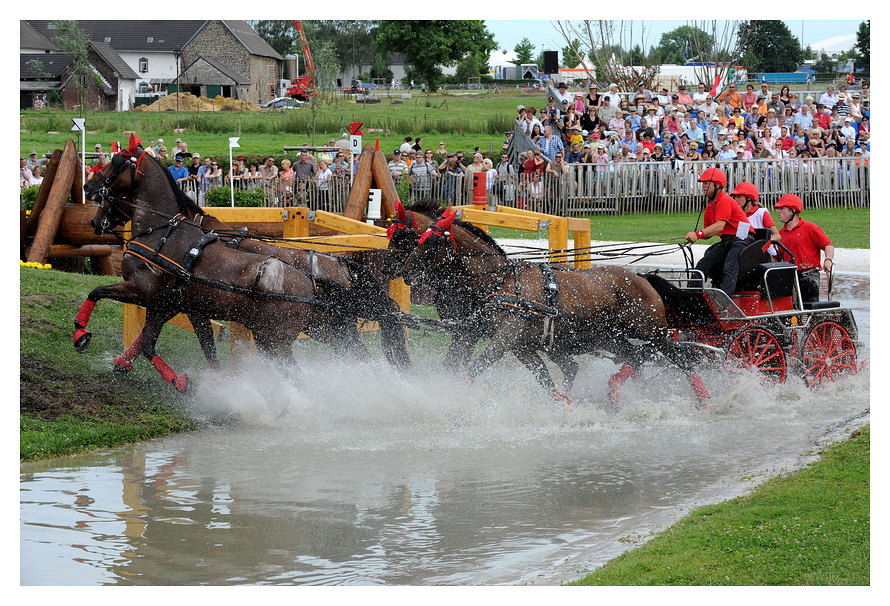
806	241
724	208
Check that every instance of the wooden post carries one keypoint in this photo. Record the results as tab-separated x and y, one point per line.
383	181
51	215
361	186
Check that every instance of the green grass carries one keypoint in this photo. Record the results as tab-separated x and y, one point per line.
810	528
72	402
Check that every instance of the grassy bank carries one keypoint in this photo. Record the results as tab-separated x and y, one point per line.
72	402
810	528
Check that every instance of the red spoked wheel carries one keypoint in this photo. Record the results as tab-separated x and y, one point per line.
827	354
759	349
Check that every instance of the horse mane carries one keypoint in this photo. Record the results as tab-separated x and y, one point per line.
428	207
185	203
476	231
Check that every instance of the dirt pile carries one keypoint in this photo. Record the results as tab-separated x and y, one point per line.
187	102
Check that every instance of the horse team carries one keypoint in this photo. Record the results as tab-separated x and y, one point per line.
180	260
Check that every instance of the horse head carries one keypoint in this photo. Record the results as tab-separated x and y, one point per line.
429	252
112	187
403	232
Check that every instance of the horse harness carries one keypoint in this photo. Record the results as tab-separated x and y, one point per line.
516	304
183	270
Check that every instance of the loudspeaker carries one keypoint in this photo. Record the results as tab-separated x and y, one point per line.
551	62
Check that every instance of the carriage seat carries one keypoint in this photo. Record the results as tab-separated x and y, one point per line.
750	261
821	304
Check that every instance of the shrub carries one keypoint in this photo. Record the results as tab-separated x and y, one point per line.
222	196
28	196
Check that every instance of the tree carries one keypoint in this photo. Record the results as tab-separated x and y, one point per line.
683	42
71	39
570	53
280	34
525	52
863	44
430	45
771	46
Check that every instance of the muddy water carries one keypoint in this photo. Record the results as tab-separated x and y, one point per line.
360	478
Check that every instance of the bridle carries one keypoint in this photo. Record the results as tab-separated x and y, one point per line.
107	199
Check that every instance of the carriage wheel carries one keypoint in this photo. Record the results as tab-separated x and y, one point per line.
759	349
827	354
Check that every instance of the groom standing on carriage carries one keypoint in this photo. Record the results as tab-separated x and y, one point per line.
726	219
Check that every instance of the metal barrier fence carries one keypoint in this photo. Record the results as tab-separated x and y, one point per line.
613	188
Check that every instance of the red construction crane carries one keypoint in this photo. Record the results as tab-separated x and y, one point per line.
304	88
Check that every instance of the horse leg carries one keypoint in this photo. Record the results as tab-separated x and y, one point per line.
567	366
460	351
124	363
125	292
531	360
204	332
154	322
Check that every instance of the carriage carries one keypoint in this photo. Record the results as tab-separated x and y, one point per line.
765	325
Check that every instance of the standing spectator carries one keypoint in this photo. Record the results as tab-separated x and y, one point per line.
269	174
491	179
36	177
453	170
179	172
406	145
237	172
420	175
562	94
573	156
505	169
442	151
323	176
807	242
549	144
397	166
304	169
286	183
25	173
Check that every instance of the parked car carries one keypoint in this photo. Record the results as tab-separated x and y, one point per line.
284	103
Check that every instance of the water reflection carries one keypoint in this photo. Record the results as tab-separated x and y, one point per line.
364	478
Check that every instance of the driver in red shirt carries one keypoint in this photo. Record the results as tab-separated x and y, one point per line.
723	218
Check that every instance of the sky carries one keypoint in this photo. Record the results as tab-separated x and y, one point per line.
545	36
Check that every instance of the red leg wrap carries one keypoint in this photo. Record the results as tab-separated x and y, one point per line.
166	372
215	364
563	398
699	388
621	377
83	316
133	351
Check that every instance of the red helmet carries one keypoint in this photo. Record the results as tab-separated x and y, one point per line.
791	201
714	175
746	189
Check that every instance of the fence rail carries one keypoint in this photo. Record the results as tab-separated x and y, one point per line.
616	189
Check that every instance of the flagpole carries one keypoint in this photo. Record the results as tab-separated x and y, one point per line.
233	142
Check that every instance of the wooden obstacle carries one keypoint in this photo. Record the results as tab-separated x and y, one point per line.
47	234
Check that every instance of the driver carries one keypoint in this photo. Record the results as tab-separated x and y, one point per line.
726	219
806	241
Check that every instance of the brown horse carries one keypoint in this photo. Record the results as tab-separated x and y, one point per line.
174	266
562	311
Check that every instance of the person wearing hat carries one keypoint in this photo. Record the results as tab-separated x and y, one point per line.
397	166
746	196
562	94
180	173
643	91
848	131
842	107
593	98
33	161
807	242
613	94
725	219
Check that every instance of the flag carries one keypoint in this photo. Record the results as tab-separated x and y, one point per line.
717	88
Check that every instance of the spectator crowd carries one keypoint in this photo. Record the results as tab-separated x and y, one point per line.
601	128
